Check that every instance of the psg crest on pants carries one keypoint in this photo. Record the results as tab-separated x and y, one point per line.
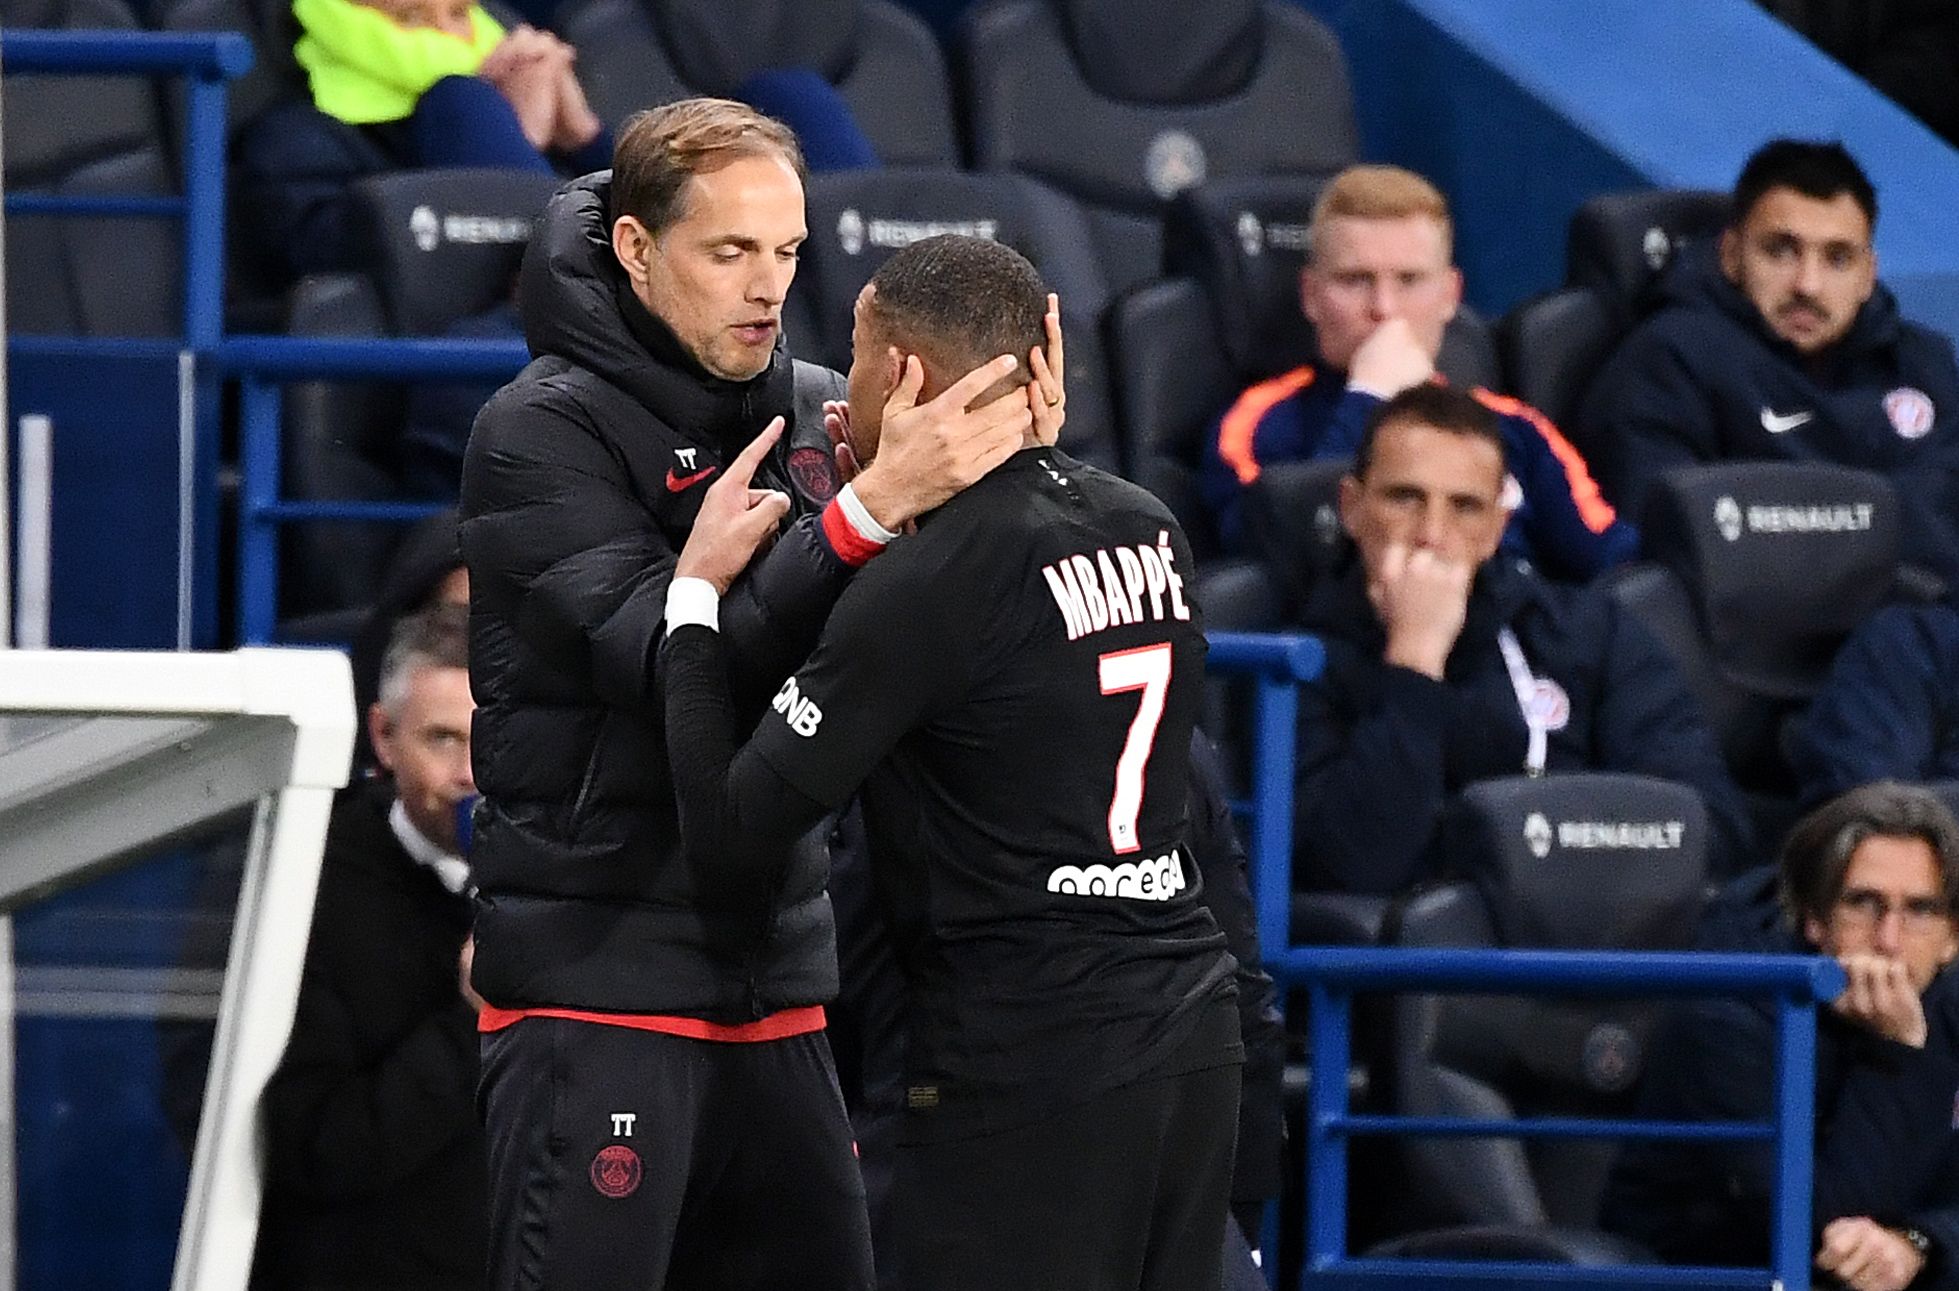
616	1171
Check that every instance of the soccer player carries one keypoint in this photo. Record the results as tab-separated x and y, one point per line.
1013	690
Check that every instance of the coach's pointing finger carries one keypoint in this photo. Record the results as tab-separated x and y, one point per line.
734	520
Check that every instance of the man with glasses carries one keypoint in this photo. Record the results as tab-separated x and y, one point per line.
1870	879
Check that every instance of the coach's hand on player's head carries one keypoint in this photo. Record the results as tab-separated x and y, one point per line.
1047	393
735	520
929	451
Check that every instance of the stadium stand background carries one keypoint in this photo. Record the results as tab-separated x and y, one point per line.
1117	118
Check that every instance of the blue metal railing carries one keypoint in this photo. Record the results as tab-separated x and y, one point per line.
1331	976
1278	665
206	62
263	366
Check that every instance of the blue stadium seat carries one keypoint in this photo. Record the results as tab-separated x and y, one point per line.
635	54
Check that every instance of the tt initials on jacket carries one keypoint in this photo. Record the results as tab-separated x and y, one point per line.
1111	586
802	714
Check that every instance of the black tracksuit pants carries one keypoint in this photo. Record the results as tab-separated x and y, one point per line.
628	1160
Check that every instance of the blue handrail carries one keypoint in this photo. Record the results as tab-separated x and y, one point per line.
1331	976
1279	664
218	56
264	365
207	61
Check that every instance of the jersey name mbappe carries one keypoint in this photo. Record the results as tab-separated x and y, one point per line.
1111	586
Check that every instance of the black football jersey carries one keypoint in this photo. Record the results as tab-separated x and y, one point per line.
1014	688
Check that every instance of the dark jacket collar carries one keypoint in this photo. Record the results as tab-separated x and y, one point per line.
1696	280
577	305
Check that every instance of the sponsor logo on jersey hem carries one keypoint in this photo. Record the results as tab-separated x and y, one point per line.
1157	879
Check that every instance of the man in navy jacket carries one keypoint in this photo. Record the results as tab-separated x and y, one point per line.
1869	878
1779	344
1448	664
1379	289
1890	710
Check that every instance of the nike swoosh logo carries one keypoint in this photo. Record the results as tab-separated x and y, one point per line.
677	483
1776	423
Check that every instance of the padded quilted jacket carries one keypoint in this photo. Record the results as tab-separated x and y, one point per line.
581	480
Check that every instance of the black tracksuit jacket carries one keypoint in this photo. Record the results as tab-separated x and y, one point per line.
581	480
1705	380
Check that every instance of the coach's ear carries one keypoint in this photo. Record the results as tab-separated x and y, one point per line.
632	246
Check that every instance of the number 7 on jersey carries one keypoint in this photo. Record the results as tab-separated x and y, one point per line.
1146	668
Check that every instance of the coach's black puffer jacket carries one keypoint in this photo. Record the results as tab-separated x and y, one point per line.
580	482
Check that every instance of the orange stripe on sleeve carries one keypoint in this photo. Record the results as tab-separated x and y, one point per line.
1593	509
1240	424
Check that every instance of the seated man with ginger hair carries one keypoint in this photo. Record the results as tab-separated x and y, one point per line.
1379	286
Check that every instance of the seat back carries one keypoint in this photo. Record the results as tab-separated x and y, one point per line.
88	136
1551	347
1579	862
1124	103
1657	598
340	441
1619	244
1779	560
1617	248
883	61
1292	512
274	77
445	244
1172	378
859	218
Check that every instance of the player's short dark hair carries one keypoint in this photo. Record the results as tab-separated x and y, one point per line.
1817	854
1435	406
1810	167
960	300
662	148
434	637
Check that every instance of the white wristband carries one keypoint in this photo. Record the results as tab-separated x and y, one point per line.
861	519
693	600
